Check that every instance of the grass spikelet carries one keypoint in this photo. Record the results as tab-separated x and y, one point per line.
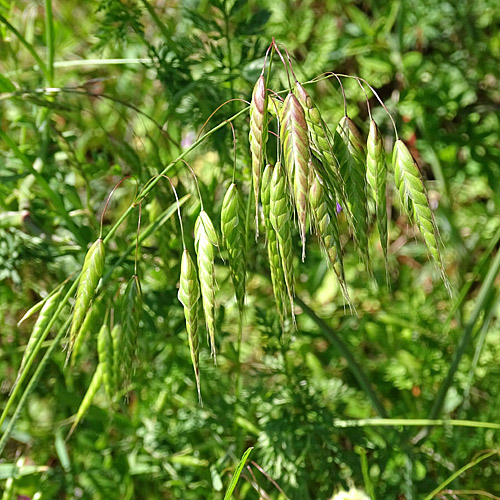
130	315
258	136
106	360
116	336
205	257
189	294
327	229
273	252
280	217
376	175
48	308
294	139
233	232
321	144
209	228
414	200
93	267
349	150
94	385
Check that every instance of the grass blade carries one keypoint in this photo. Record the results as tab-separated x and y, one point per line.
236	475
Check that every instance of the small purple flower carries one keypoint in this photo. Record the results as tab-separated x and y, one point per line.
188	139
339	208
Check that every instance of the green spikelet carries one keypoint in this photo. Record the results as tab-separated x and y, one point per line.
321	145
233	232
116	339
376	175
205	257
273	252
106	360
414	200
95	383
294	139
93	267
280	217
258	136
326	227
189	294
349	151
130	315
49	306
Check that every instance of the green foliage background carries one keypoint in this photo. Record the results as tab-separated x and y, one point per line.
139	80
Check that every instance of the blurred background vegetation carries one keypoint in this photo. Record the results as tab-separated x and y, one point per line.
136	80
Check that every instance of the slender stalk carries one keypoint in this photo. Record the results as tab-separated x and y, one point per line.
459	472
344	350
486	290
414	422
49	40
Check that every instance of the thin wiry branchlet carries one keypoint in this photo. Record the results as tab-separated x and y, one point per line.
376	175
205	256
189	295
294	139
280	216
93	267
414	200
233	233
258	137
273	252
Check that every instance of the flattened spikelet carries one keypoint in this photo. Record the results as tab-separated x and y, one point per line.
321	145
49	306
414	200
294	139
106	360
94	385
130	315
280	217
189	294
93	267
205	257
258	135
116	338
349	150
376	175
326	228
273	252
233	232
